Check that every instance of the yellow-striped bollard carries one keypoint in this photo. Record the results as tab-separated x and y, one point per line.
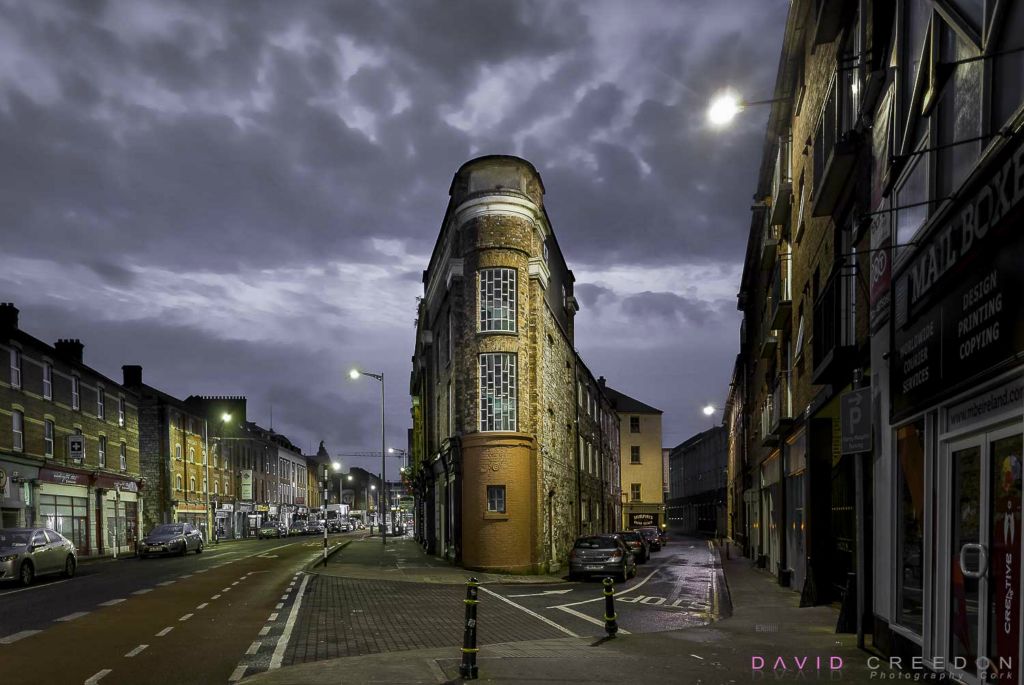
610	626
468	668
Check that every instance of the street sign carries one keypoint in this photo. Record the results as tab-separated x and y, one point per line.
855	421
76	447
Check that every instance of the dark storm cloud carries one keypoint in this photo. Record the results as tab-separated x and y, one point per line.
248	151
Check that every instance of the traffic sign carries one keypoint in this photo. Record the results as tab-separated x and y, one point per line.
855	421
76	447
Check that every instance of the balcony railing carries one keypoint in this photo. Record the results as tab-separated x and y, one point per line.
768	436
769	245
835	147
782	295
782	182
782	402
834	326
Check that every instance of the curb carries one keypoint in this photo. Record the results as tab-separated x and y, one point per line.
319	561
722	597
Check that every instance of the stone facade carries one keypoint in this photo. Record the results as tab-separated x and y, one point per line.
496	219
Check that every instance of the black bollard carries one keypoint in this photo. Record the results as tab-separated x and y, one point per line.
610	626
468	668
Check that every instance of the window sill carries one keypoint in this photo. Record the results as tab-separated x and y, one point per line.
509	333
495	516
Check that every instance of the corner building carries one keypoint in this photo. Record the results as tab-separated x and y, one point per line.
497	478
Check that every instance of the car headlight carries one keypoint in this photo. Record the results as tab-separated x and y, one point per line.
8	557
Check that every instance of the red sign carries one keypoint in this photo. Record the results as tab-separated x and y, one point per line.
64	477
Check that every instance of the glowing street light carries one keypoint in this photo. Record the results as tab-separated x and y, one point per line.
724	108
709	410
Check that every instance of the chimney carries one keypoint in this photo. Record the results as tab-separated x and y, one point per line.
69	349
132	375
600	381
8	315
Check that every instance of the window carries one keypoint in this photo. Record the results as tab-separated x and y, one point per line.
227	489
634	454
75	399
47	382
192	455
911	196
959	114
178	483
204	456
496	499
18	426
634	424
498	392
101	406
177	452
910	524
582	452
451	410
192	484
103	451
120	411
124	457
15	368
497	299
216	488
204	485
634	492
48	437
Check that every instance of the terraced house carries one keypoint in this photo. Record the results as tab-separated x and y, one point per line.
508	465
69	444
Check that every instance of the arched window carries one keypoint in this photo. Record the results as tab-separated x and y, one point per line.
177	452
179	483
192	454
216	488
204	485
192	484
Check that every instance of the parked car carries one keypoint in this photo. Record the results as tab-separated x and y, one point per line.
650	534
29	552
637	544
334	526
316	527
171	538
271	529
298	528
605	555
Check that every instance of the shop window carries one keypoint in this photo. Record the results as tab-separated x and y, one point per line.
48	437
67	516
18	428
910	525
496	499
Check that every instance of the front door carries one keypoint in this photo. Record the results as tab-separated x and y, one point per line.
984	556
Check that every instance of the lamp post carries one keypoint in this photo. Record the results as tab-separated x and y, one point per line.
727	104
224	419
354	374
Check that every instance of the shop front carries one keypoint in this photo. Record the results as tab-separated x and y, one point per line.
225	521
120	513
769	514
65	503
957	416
16	493
795	527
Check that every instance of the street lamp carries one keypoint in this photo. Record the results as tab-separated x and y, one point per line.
354	374
709	410
727	104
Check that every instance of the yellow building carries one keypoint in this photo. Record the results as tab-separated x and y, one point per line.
642	473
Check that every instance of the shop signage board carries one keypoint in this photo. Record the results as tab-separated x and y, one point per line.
61	477
108	483
638	519
247	484
855	420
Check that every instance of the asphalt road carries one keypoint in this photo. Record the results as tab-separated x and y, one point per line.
674	589
168	620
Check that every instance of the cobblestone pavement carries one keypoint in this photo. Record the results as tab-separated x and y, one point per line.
346	617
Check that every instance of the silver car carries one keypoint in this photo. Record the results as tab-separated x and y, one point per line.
171	538
29	552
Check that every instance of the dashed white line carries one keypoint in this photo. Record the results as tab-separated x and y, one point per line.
237	674
202	570
264	630
71	617
284	597
112	602
234	583
11	639
282	642
279	606
96	676
185	617
187	575
167	582
254	647
203	605
226	589
135	651
215	597
165	631
143	591
273	617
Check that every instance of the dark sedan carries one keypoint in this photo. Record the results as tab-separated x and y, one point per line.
298	528
650	534
636	543
171	538
271	529
605	555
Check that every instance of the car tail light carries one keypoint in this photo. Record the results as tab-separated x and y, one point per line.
616	555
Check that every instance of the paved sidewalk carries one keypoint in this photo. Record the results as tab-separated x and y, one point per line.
766	623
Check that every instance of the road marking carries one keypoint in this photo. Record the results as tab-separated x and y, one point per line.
185	617
617	593
280	605
203	605
284	597
215	556
11	639
225	589
273	617
202	570
166	582
215	597
96	676
589	619
531	613
187	575
254	647
137	650
143	591
234	583
165	631
34	587
237	674
697	657
264	630
71	617
111	602
546	592
282	642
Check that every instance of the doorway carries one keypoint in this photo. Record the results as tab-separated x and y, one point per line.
983	561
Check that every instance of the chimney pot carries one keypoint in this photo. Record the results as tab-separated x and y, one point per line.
8	315
132	374
70	349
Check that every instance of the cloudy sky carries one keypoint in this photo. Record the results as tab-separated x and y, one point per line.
241	196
